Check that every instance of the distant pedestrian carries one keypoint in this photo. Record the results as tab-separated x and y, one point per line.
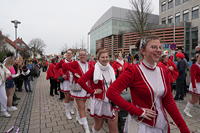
26	76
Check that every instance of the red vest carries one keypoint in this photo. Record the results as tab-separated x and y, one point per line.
195	74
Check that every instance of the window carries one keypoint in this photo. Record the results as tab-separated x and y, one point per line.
185	1
163	20
186	16
170	19
177	2
195	12
177	17
163	6
170	4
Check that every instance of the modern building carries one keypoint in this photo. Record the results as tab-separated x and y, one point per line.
110	25
173	12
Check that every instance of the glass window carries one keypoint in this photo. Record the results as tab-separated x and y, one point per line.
186	15
194	38
163	6
163	20
170	19
185	1
195	12
177	2
177	19
170	4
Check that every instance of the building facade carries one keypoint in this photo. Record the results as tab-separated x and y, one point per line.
113	23
173	12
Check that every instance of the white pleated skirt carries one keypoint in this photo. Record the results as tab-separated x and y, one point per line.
101	109
65	86
197	91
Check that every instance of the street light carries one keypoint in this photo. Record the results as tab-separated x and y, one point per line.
15	22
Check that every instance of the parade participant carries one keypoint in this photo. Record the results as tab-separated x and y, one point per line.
10	86
50	75
26	78
100	77
150	91
92	61
4	73
170	66
119	65
65	84
78	68
194	87
180	82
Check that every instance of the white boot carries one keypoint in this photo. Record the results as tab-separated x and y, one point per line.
78	118
95	131
187	109
67	111
6	114
72	107
85	125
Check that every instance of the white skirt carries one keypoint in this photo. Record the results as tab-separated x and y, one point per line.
80	94
133	126
101	109
65	86
197	91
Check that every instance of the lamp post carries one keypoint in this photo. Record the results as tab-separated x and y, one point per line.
16	22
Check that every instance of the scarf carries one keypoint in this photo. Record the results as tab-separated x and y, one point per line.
120	61
98	68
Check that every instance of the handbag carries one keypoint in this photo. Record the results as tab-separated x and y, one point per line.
75	87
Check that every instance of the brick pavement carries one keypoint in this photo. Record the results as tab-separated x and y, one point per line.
47	114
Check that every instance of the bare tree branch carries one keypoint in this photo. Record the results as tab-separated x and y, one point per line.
139	15
37	45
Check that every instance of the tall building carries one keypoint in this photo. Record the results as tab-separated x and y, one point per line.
112	23
173	12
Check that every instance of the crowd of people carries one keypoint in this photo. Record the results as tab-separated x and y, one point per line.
149	80
14	72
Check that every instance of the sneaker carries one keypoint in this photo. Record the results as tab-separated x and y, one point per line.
187	113
72	111
6	114
68	115
79	121
12	108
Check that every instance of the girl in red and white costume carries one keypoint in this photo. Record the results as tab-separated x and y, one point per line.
119	65
78	68
194	85
150	91
100	77
65	85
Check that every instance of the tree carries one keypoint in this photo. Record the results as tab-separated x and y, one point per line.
139	15
37	45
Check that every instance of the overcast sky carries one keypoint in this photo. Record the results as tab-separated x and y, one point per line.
57	22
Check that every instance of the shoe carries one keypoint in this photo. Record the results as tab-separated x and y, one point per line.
181	98
176	98
12	108
6	114
187	113
79	121
56	94
68	115
17	98
51	95
30	91
72	111
14	104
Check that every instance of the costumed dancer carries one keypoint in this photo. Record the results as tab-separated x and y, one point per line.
101	76
194	87
78	68
65	85
150	91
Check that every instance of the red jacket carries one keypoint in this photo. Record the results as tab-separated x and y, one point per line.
75	68
88	76
143	96
116	65
64	71
173	74
50	71
195	74
92	63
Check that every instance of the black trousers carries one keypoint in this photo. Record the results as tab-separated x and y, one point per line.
53	86
180	89
19	83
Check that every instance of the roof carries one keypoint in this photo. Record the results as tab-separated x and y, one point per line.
20	41
122	14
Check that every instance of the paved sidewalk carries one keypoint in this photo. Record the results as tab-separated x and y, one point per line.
40	113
